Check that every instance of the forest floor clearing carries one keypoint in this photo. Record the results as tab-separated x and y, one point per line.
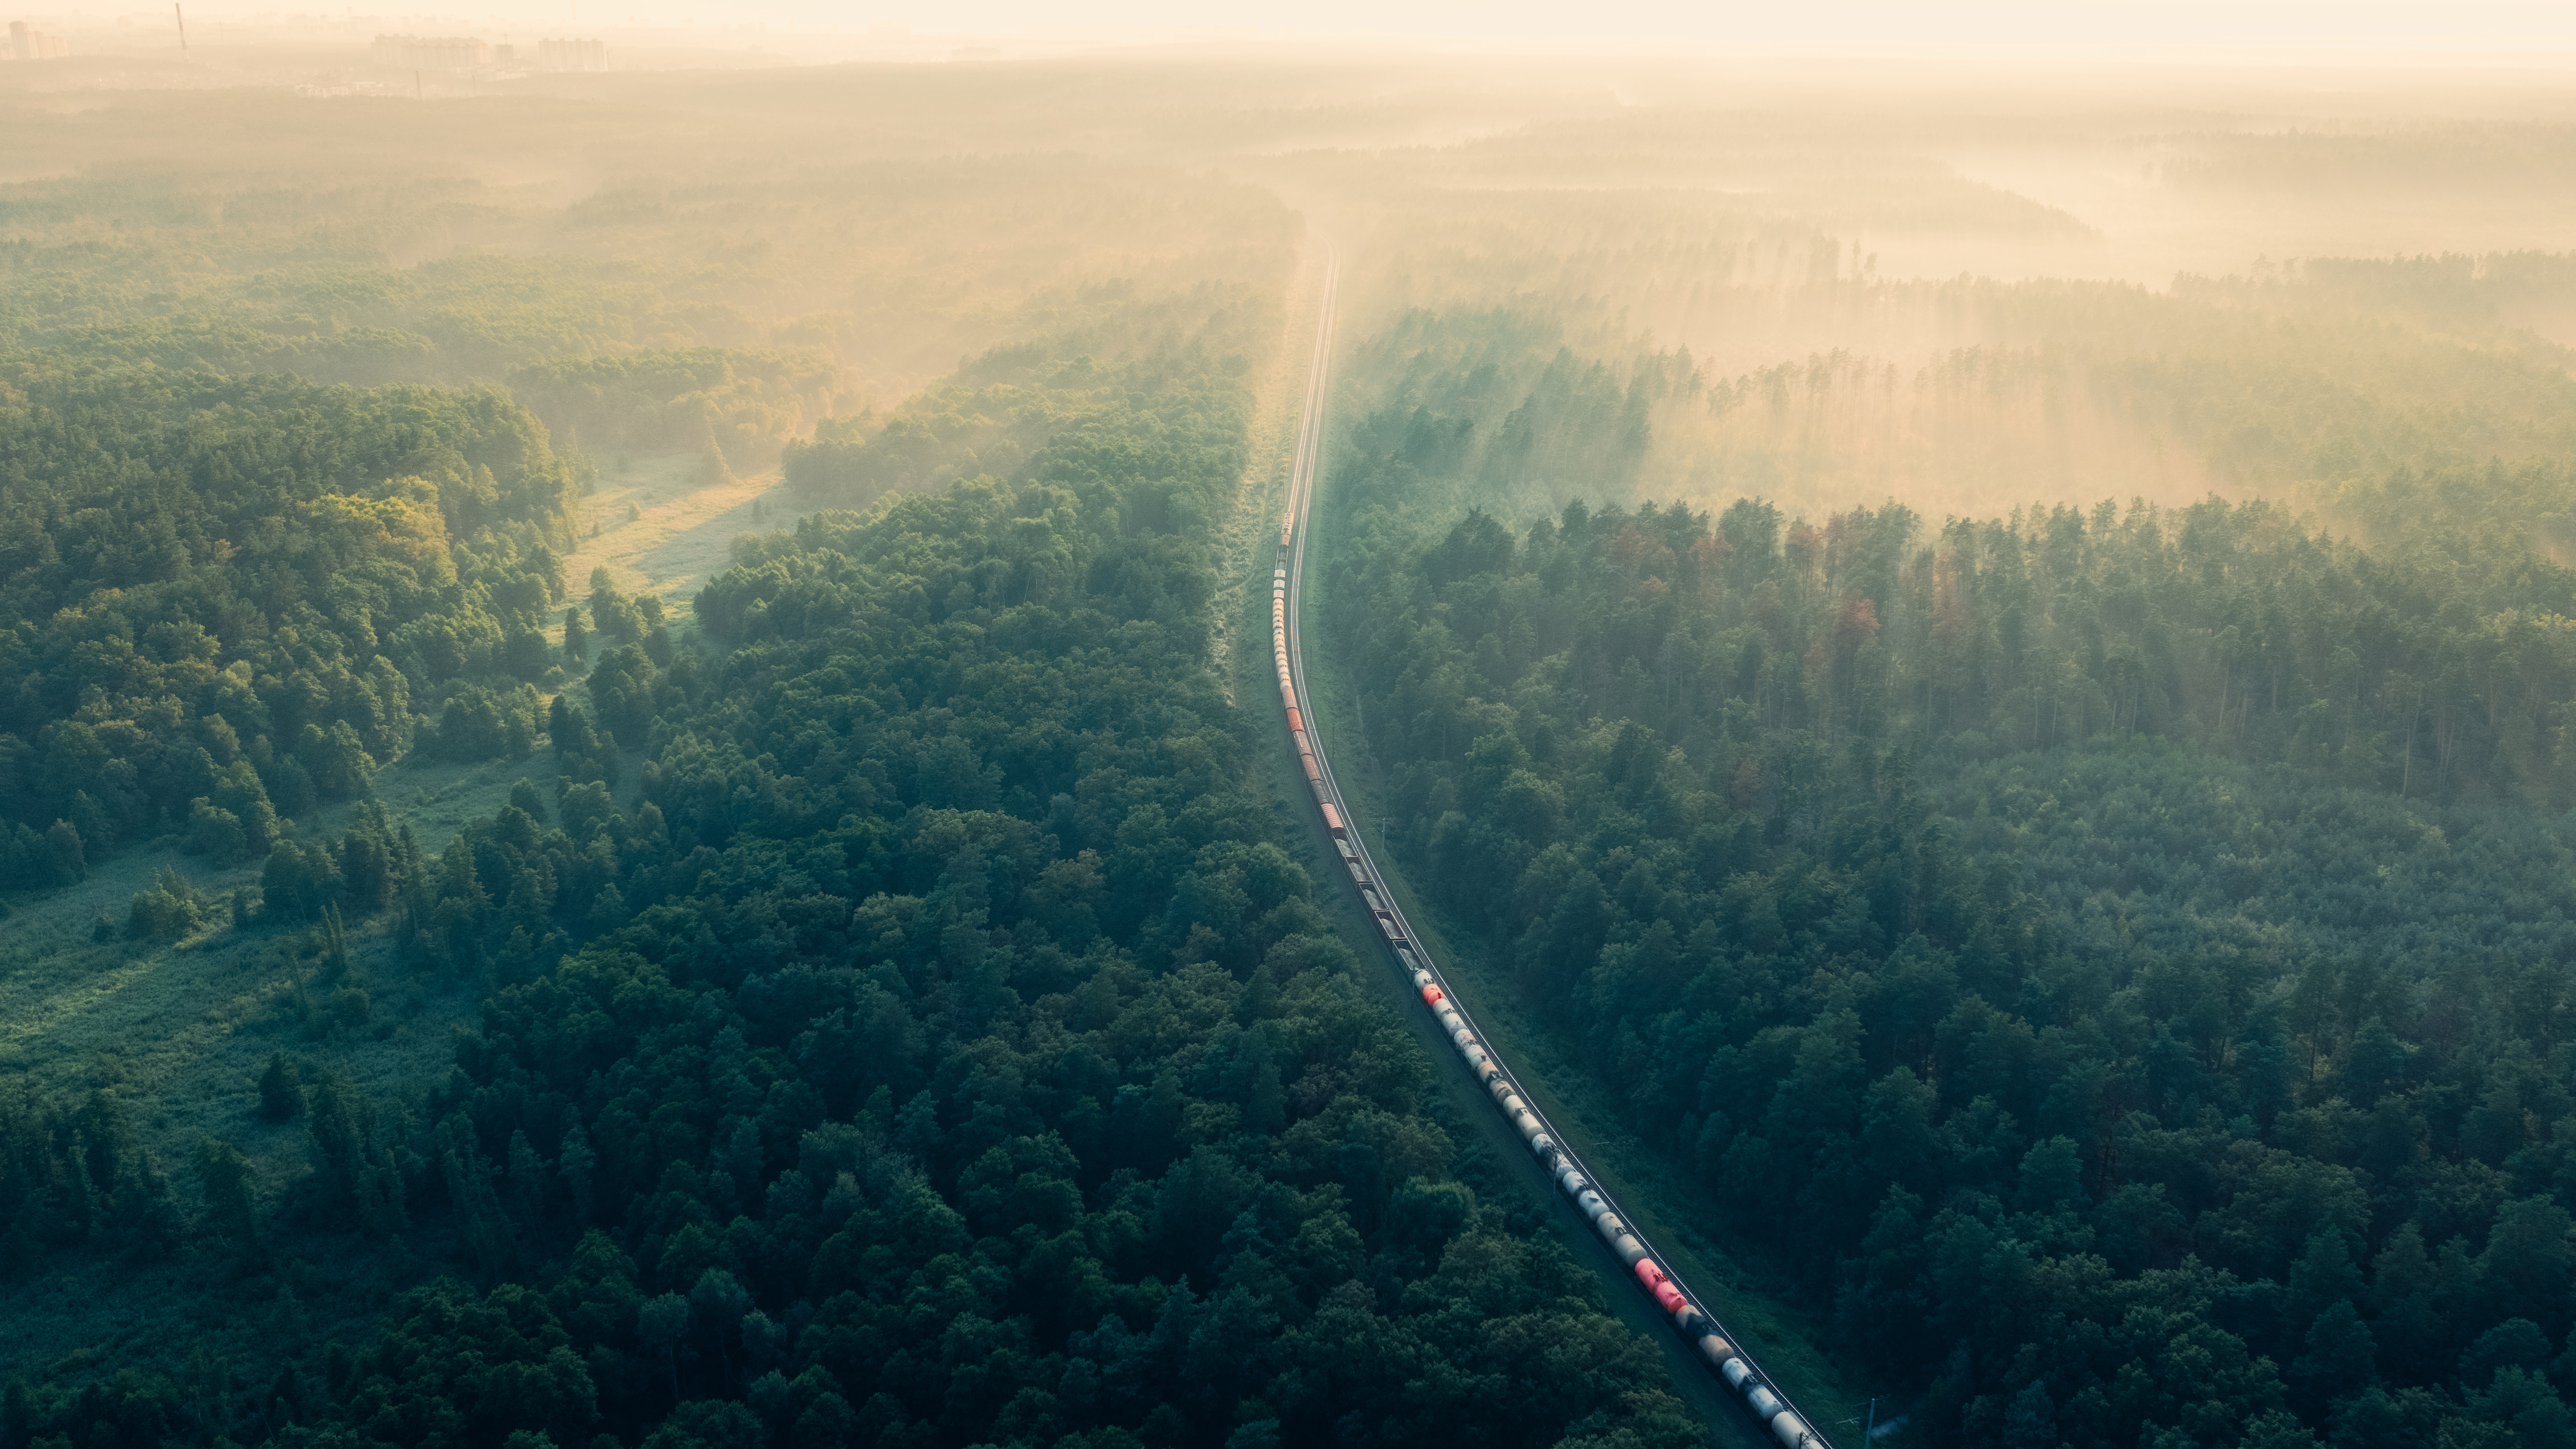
181	1030
684	522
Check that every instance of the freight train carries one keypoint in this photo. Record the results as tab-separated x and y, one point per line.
1770	1407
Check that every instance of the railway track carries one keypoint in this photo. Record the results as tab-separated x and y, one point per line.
1718	1348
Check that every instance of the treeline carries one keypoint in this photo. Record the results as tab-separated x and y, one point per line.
2313	383
1499	400
851	462
584	344
2431	671
388	263
336	312
376	864
994	413
737	403
229	597
940	1051
2110	957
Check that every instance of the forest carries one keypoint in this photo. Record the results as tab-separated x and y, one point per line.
224	594
2113	955
640	807
941	1048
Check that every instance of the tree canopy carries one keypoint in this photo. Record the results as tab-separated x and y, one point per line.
2114	956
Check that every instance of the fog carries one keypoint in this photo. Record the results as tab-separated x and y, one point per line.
1969	280
905	400
1984	27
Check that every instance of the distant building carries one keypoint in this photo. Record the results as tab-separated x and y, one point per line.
579	55
431	52
30	44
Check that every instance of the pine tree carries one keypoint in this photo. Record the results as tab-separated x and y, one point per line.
280	1095
578	1162
231	1211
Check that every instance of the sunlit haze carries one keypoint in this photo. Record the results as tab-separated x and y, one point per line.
1349	725
2513	31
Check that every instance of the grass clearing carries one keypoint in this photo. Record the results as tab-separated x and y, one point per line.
180	1032
180	1029
684	518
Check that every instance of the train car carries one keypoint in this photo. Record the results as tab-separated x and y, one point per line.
1765	1403
1666	1296
1787	1427
1333	823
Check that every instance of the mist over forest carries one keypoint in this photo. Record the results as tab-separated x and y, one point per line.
639	806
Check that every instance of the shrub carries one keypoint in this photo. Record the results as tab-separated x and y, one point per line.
169	908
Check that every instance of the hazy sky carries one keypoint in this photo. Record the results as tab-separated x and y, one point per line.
2495	27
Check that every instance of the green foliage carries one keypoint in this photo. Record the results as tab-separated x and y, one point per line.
941	1049
170	908
576	636
738	402
480	723
65	859
229	591
77	1174
232	1208
2064	941
995	414
281	1093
